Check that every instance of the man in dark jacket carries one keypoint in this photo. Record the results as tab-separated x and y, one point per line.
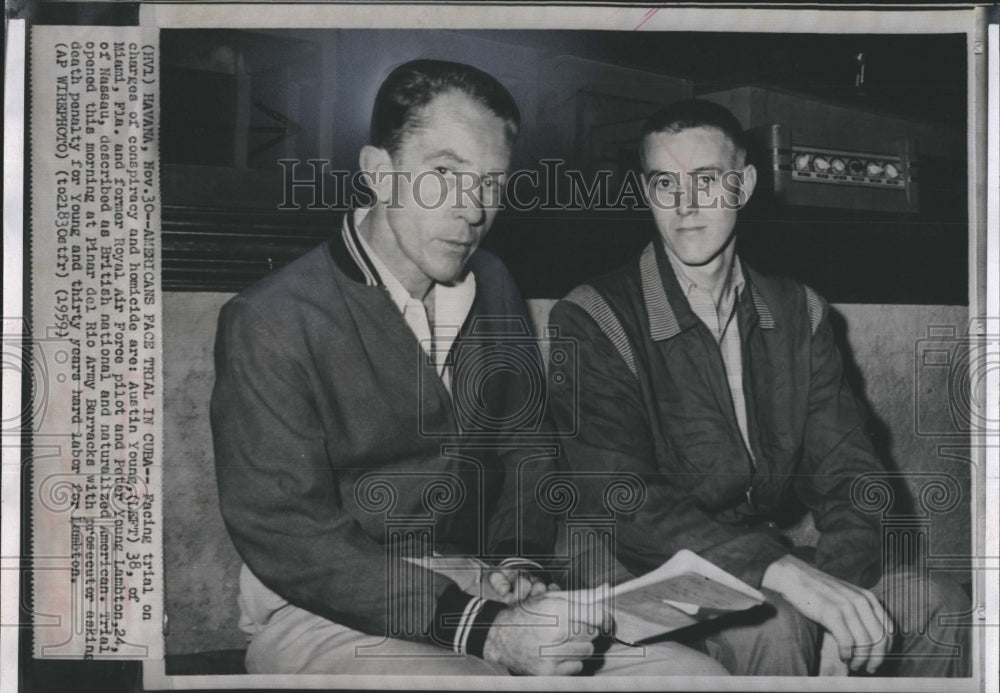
366	421
723	390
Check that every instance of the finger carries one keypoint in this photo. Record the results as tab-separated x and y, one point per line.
863	641
829	658
579	609
581	632
570	649
872	648
499	582
590	617
871	617
553	587
835	624
538	587
886	631
887	624
596	594
594	609
522	587
584	649
607	615
568	668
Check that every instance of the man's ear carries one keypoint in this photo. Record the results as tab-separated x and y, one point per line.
749	183
375	162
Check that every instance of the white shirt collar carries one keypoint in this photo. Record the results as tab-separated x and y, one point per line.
449	297
734	283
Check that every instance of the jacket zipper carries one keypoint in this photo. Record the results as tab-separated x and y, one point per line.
733	421
751	409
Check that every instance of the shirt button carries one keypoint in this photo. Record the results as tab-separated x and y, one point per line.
772	524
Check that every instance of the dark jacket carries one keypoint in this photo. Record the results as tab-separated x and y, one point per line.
653	400
334	435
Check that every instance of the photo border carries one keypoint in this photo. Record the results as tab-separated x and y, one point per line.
983	141
970	21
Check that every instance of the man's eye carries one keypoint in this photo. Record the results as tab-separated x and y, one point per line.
706	178
664	182
443	170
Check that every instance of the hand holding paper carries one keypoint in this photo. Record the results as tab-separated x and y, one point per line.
512	585
681	592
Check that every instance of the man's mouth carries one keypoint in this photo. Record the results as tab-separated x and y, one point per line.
457	244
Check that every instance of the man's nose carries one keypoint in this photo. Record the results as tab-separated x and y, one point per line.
686	201
469	207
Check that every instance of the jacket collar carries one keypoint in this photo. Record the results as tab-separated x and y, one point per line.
349	256
667	307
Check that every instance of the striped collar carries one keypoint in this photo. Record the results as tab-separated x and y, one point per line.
349	255
670	314
452	302
397	292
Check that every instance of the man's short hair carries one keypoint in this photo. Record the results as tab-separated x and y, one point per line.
411	86
695	113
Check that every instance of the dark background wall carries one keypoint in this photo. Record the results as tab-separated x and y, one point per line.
235	103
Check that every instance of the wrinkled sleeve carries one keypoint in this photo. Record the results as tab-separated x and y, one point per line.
837	451
614	440
280	499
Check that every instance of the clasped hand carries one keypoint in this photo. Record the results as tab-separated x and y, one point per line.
548	633
512	585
